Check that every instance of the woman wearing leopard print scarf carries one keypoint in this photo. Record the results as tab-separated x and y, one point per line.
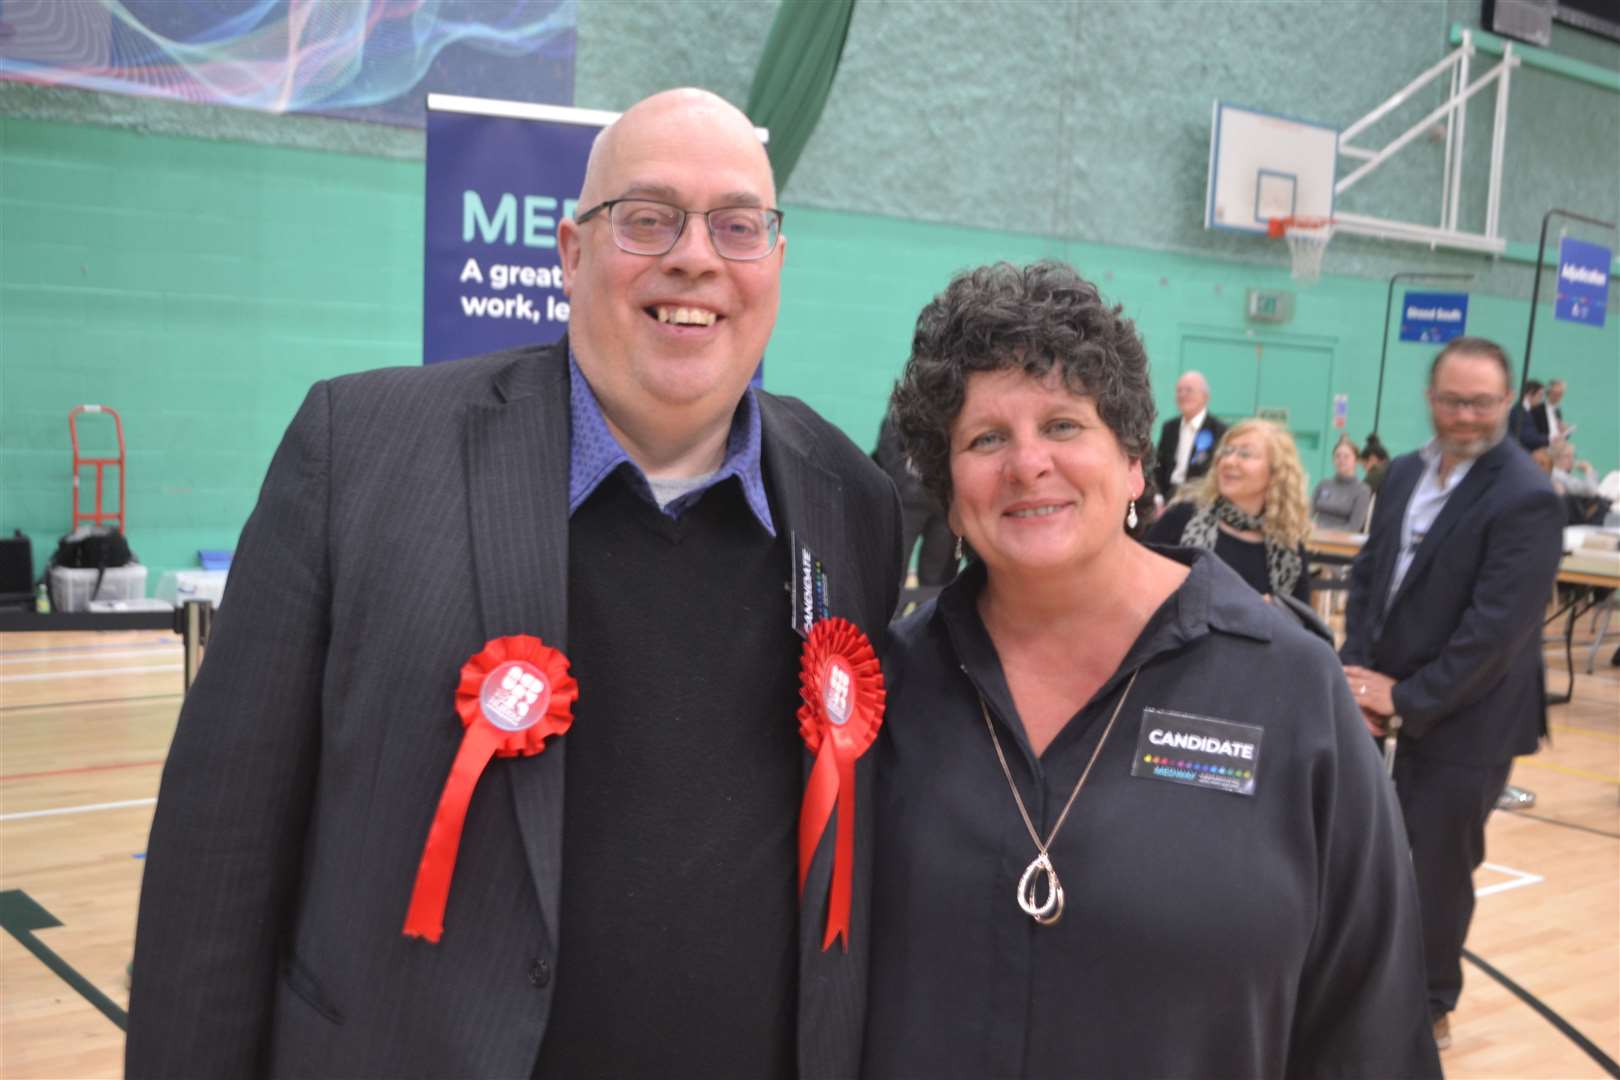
1250	509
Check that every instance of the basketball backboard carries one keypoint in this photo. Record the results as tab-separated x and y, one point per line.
1264	165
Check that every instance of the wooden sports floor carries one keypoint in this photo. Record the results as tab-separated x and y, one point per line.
85	721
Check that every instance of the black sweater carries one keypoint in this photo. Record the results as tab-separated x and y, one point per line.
1247	557
679	938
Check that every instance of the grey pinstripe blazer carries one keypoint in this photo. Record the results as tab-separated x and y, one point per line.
410	515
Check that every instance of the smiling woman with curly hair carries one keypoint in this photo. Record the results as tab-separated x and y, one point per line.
1249	509
1232	893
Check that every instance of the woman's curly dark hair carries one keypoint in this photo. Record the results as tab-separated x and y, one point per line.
1035	319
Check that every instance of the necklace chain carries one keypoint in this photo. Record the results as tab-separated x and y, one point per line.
1050	910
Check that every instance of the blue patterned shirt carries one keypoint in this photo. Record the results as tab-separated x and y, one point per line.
594	453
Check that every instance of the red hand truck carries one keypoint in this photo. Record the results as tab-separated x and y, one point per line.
101	515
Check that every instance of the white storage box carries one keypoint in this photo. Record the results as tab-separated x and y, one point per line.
73	589
178	586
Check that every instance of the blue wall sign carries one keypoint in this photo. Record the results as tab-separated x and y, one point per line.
1583	281
496	187
1433	317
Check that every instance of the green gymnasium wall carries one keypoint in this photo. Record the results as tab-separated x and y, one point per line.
198	268
854	284
198	287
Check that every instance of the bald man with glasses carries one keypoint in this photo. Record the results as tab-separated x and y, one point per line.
627	901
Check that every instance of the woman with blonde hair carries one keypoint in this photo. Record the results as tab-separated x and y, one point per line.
1249	509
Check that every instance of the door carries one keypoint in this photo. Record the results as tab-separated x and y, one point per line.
1283	380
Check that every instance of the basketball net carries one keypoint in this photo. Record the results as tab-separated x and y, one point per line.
1307	243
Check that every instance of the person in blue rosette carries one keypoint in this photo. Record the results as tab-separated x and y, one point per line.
1129	823
1188	439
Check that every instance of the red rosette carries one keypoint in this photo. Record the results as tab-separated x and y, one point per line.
514	694
841	687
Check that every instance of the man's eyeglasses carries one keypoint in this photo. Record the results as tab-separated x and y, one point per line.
649	227
1479	406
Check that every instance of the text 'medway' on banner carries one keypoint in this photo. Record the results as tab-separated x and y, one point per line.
500	176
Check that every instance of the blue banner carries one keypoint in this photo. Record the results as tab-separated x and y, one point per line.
1583	281
1433	316
496	188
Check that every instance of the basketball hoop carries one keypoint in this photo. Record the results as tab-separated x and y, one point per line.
1307	242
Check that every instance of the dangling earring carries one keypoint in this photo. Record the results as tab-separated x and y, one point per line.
1130	514
958	549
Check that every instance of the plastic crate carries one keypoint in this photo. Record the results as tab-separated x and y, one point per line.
178	586
73	589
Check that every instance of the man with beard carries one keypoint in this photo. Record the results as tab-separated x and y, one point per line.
1443	630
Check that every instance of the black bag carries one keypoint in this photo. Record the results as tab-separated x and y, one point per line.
90	547
16	572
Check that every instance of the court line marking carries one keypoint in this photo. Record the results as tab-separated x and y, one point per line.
90	673
81	769
1521	878
1568	1030
86	809
1596	733
70	658
21	915
167	640
90	701
1563	824
1567	770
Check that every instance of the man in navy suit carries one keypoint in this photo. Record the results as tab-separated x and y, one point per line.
1443	629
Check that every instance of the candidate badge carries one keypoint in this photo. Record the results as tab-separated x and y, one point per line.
1197	750
809	587
841	690
514	694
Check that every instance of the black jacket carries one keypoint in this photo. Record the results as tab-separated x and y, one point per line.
1528	427
409	516
1203	450
1462	636
1541	416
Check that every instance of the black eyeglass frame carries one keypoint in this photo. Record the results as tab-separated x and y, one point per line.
680	227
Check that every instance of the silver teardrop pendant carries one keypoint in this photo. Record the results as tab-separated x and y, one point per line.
1048	911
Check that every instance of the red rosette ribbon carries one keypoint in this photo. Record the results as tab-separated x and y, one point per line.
841	685
514	695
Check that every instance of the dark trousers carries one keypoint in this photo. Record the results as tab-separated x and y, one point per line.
936	563
1445	806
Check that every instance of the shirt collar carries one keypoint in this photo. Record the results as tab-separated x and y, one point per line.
1430	453
1212	598
595	453
1197	421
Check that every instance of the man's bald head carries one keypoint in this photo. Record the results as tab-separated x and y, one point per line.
667	342
1192	394
663	117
